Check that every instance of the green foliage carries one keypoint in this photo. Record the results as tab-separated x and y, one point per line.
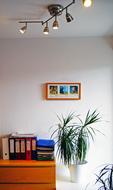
105	178
84	133
73	138
65	138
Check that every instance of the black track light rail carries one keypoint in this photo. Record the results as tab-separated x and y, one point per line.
44	22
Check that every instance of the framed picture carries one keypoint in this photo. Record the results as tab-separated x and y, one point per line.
63	91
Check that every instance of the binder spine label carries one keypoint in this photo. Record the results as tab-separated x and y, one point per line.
33	144
17	146
22	145
28	145
11	145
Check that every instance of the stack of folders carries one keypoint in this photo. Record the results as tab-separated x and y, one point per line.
20	147
45	149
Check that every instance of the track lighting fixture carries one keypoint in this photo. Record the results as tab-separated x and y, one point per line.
69	17
46	29
55	10
87	3
55	24
23	29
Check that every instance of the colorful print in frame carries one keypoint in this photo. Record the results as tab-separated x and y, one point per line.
63	91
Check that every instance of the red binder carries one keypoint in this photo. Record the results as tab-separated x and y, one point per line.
28	148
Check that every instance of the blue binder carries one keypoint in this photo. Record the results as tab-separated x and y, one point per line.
46	143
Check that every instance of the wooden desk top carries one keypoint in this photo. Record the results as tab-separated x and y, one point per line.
24	163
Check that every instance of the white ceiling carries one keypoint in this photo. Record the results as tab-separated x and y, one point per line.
94	21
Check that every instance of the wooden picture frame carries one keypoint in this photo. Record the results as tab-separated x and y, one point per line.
63	91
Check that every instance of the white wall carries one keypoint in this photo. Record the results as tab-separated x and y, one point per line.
26	64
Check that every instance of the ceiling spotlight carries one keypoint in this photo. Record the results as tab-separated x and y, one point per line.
23	29
55	24
87	3
69	17
46	29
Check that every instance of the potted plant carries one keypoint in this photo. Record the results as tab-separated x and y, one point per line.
85	132
64	136
73	139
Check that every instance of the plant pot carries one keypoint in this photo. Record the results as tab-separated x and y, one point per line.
62	172
78	172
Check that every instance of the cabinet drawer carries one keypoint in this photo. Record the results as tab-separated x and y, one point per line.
27	187
27	175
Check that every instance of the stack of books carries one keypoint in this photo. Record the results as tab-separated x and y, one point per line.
19	147
45	149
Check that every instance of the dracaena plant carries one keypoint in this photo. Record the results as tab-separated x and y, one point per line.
64	134
73	138
105	178
85	132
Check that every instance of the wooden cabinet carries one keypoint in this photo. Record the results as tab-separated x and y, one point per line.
27	175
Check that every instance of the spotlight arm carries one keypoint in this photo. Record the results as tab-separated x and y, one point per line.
31	21
43	22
